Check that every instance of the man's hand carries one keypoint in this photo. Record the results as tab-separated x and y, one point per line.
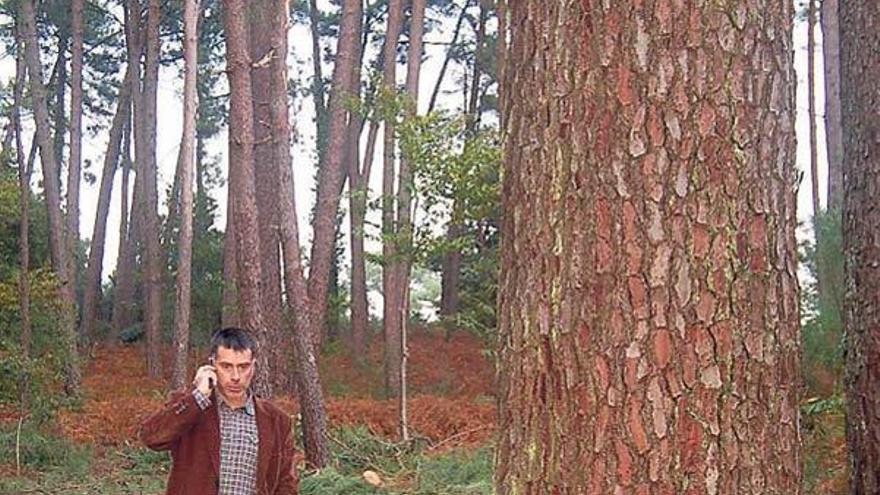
206	379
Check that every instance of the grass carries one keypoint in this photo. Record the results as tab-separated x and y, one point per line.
54	465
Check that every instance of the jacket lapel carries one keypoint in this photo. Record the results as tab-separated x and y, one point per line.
213	440
263	446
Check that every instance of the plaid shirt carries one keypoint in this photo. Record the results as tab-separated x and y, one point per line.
238	445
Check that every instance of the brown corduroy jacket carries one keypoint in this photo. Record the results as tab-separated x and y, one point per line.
193	436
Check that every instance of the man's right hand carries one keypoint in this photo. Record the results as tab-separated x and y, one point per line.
206	378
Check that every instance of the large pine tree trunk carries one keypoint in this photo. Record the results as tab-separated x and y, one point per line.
145	152
266	176
648	308
860	112
333	170
185	161
390	311
92	296
76	110
241	166
833	131
314	416
57	245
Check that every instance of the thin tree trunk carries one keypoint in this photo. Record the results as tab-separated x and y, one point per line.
58	109
67	323
145	152
450	275
117	320
24	187
229	316
332	172
860	112
811	96
390	312
186	158
76	109
311	399
501	55
359	184
833	131
318	95
400	266
131	228
241	164
451	266
648	294
448	58
404	355
92	296
266	176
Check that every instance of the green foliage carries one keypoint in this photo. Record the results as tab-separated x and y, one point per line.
456	176
141	461
331	482
43	451
459	472
822	302
404	468
10	220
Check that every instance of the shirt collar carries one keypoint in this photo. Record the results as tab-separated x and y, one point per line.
249	404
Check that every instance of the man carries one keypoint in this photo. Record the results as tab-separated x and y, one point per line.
224	440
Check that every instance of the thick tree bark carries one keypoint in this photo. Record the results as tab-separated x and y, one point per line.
92	296
811	106
76	110
266	176
860	112
332	172
57	246
648	306
308	382
185	161
390	311
241	165
145	152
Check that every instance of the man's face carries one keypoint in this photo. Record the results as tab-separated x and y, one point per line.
235	370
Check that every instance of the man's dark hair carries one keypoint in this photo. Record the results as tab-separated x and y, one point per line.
237	339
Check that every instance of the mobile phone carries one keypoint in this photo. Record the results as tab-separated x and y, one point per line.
211	380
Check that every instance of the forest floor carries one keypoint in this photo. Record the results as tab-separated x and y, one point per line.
451	415
94	450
